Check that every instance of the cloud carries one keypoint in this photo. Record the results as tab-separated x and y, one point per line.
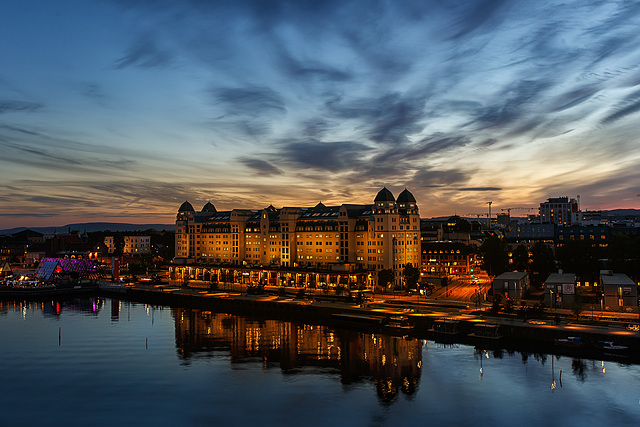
477	15
573	98
389	119
431	178
416	153
93	91
144	53
11	105
480	189
512	104
315	128
311	70
630	105
261	167
249	100
28	214
329	156
19	129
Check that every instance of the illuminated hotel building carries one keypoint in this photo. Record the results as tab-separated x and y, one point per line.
561	211
382	235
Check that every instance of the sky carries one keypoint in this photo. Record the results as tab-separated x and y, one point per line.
120	110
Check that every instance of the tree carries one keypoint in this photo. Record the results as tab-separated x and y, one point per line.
580	257
118	243
577	305
495	259
520	258
385	277
543	263
411	275
623	253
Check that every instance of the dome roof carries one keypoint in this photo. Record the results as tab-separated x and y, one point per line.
186	207
384	195
406	197
209	208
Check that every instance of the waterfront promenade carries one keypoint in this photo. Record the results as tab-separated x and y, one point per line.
421	313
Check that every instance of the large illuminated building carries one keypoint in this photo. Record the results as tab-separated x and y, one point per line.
382	235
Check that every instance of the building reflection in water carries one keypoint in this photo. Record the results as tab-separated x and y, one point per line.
392	364
87	306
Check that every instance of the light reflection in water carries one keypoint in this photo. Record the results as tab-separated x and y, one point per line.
165	363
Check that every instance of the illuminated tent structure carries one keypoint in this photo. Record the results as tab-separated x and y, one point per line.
5	269
81	269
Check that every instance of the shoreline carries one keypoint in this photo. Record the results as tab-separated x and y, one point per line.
379	317
400	318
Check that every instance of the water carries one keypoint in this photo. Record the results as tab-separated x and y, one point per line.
107	362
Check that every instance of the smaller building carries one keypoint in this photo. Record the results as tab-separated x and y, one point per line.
448	259
599	234
132	244
620	293
5	270
560	290
511	284
530	234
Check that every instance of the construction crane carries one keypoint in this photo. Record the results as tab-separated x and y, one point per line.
516	209
476	214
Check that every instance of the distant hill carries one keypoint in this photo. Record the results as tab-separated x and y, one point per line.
622	212
92	226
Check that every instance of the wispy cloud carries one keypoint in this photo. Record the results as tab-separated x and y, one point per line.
9	105
319	101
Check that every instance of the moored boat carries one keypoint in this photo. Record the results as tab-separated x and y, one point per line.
571	342
485	331
609	347
446	327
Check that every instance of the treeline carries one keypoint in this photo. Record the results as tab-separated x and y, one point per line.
584	258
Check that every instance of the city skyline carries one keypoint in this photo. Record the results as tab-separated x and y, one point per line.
119	111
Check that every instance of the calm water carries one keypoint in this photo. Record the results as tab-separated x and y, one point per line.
108	362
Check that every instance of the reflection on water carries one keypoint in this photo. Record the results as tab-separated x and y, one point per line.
99	361
391	363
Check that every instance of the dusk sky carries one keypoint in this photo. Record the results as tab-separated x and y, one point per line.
120	110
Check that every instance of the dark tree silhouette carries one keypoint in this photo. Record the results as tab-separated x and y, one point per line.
520	258
411	276
495	259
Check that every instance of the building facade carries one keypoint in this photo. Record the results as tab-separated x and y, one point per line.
131	244
377	236
619	292
560	290
560	211
511	284
448	259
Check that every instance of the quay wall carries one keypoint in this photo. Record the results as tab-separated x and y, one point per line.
514	331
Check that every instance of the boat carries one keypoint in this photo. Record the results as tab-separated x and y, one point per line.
357	319
609	347
446	327
484	331
398	324
571	342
